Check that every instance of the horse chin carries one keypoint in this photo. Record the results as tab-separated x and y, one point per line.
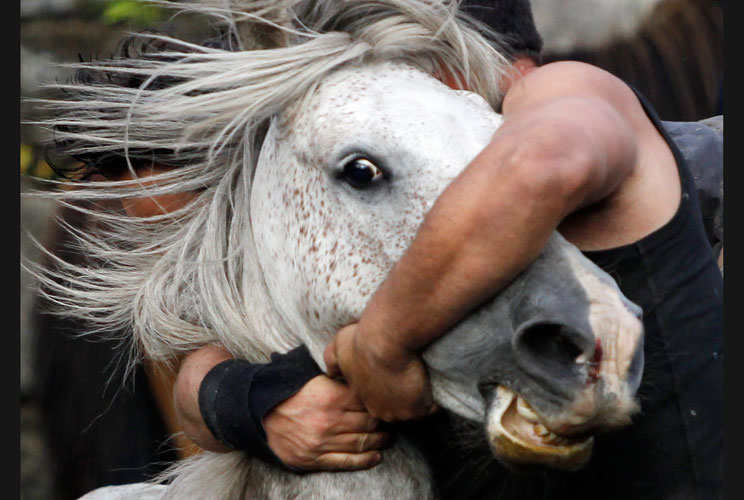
518	438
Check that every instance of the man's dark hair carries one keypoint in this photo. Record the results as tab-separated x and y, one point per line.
512	19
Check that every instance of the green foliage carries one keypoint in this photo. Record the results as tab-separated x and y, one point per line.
33	163
132	12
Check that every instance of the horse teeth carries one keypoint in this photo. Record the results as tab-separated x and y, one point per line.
558	440
541	430
552	438
524	409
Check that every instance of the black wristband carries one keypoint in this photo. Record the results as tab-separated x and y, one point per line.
235	396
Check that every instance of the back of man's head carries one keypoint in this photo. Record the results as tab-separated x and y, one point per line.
512	19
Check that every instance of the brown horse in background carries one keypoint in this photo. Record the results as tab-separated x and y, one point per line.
674	57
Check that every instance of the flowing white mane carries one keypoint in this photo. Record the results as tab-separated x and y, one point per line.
188	277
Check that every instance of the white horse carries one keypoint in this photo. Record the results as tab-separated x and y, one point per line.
314	164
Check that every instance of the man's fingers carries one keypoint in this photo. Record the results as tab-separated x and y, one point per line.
348	461
403	410
370	441
329	356
337	347
352	422
350	401
357	442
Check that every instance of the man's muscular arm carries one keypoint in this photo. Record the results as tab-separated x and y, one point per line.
569	139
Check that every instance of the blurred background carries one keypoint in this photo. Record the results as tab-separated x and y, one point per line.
82	424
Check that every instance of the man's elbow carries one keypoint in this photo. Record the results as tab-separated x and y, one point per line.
559	172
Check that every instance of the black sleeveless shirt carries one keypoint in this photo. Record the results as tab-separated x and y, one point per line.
677	440
674	449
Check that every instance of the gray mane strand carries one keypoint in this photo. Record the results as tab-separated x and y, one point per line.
189	277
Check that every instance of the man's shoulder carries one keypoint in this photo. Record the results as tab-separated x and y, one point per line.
576	81
575	78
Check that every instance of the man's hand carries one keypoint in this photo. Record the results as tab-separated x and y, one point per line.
324	426
392	384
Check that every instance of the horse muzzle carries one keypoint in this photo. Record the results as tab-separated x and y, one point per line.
581	382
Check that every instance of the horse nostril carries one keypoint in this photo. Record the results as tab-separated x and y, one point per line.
551	342
487	389
551	349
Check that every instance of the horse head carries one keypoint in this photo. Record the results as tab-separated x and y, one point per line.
341	186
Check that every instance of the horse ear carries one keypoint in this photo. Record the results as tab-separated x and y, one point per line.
259	26
266	142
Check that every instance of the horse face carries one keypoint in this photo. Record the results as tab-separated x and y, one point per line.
342	184
554	358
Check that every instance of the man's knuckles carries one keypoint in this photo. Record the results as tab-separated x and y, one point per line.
348	461
314	443
372	441
399	414
330	394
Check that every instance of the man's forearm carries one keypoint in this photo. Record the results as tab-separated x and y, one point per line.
477	238
186	395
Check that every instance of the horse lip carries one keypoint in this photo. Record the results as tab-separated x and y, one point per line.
518	447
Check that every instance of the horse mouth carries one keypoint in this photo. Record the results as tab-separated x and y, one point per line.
518	437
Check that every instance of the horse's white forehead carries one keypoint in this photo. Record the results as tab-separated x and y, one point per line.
394	106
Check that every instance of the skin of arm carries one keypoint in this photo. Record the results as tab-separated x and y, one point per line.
570	138
192	371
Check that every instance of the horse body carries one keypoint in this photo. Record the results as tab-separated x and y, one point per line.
285	246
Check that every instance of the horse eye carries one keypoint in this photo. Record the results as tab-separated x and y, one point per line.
362	173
